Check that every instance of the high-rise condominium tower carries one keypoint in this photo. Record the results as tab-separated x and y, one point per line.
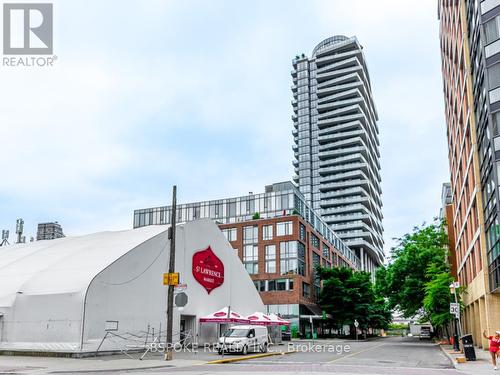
336	144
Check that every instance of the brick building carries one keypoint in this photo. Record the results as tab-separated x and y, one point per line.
470	39
279	239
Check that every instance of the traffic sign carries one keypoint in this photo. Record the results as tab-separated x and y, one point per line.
181	299
180	288
171	278
455	309
356	323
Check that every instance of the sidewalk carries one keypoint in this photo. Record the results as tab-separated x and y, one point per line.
55	365
481	366
117	363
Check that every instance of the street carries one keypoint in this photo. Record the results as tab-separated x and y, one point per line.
378	356
394	355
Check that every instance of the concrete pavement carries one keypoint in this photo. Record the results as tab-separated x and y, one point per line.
391	356
115	363
481	366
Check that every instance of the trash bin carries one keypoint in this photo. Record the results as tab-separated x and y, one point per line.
468	345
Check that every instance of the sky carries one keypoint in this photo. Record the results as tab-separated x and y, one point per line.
147	94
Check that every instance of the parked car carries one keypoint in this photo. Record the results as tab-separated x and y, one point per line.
286	335
425	332
243	339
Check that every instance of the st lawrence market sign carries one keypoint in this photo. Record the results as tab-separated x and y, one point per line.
208	270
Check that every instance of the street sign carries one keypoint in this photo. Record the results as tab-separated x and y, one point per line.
171	278
180	288
181	299
356	323
455	309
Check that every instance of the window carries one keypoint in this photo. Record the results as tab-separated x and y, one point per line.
262	286
301	258
271	285
251	258
302	232
250	235
496	123
491	30
316	263
281	284
494	76
267	232
292	258
306	290
317	292
231	209
326	251
288	257
230	233
270	253
315	241
284	228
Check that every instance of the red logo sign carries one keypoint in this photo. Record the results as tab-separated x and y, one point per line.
208	270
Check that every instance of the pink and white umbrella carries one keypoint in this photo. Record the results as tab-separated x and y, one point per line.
224	315
260	319
277	320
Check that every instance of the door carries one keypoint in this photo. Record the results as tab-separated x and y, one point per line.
188	329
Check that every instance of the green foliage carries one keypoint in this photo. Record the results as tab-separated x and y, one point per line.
398	326
418	279
256	216
437	299
349	295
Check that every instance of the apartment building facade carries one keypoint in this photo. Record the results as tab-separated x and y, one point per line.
472	175
336	144
49	231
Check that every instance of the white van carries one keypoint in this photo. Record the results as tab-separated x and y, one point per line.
243	339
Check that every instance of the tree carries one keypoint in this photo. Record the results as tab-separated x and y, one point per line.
349	295
437	298
418	278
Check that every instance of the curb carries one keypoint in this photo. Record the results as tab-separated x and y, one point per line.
449	356
109	370
237	359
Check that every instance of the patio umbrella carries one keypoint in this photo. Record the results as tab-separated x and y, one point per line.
260	319
277	320
224	315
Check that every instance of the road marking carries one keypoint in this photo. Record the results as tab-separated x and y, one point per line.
353	354
237	359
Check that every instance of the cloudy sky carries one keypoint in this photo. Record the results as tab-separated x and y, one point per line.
146	94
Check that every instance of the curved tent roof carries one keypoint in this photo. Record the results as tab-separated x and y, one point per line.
65	265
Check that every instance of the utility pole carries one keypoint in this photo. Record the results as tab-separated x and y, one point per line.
171	269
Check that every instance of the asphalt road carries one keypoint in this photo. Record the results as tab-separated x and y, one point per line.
378	356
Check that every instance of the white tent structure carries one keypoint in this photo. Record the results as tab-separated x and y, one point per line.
61	295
